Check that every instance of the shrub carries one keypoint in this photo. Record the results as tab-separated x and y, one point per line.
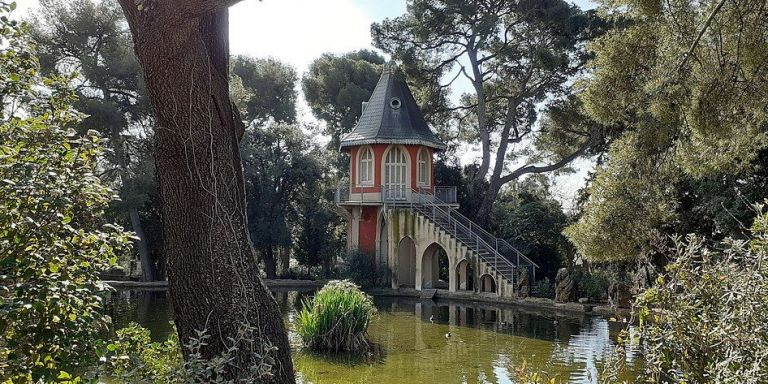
362	268
53	237
132	357
544	288
706	319
593	285
336	319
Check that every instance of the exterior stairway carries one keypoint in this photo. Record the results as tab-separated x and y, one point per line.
496	253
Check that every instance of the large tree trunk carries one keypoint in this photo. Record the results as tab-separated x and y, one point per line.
148	270
212	271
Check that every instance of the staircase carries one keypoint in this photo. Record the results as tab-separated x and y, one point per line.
497	253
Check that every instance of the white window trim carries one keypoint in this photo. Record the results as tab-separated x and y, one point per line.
371	168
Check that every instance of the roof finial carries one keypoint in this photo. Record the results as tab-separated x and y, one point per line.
389	67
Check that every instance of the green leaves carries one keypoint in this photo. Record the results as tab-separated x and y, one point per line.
53	242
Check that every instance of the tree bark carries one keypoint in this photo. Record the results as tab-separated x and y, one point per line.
270	266
148	270
212	271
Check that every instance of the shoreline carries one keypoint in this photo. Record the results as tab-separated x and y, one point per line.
598	309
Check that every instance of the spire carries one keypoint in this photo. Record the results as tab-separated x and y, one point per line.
391	116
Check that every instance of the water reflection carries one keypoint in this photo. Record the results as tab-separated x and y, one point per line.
431	342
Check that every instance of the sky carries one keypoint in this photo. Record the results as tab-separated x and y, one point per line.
298	31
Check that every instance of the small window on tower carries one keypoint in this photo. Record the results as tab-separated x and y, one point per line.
395	103
365	170
424	167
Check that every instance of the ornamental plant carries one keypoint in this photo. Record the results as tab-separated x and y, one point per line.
336	319
53	237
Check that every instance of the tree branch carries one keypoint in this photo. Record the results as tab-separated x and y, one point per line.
701	33
526	169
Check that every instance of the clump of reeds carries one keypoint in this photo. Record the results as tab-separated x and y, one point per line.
336	319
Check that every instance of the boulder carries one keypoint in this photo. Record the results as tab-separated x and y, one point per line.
583	300
565	286
523	286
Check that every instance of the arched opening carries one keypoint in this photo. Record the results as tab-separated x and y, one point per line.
365	166
383	254
423	168
395	174
487	283
406	263
435	268
465	276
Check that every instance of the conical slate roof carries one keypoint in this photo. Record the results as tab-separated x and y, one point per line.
391	117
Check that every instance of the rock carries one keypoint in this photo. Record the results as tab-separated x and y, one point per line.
583	300
565	286
523	287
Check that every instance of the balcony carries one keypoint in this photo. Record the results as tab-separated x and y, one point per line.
395	195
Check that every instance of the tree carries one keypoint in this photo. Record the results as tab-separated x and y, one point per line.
270	87
214	282
533	222
687	81
335	87
515	55
54	238
91	39
279	163
317	233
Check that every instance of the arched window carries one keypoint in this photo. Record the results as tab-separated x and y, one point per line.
395	173
424	168
365	167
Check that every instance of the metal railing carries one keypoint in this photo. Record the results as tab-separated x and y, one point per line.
379	194
498	253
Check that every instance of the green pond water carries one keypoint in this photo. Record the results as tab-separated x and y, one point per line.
486	343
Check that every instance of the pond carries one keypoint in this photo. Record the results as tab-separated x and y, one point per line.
485	344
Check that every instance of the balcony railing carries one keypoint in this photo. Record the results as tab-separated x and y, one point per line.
394	194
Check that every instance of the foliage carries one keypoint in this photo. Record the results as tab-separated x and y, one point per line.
533	222
267	90
134	358
362	268
544	288
318	226
592	285
706	319
687	82
53	236
336	86
515	55
336	319
279	162
90	41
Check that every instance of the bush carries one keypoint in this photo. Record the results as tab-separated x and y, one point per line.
53	237
132	357
544	288
706	319
593	286
336	319
362	269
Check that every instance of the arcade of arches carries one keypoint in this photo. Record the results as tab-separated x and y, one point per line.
421	256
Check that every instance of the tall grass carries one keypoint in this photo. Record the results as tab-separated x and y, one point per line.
336	319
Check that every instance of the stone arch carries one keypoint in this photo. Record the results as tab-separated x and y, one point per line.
406	262
435	267
465	276
487	283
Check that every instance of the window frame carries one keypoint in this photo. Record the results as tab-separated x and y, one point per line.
368	163
426	172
